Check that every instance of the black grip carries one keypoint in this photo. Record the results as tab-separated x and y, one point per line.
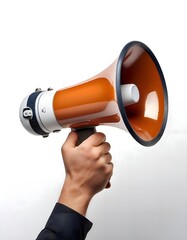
84	133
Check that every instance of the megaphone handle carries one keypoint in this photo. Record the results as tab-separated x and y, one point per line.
84	133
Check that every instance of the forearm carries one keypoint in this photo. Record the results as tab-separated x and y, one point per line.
73	196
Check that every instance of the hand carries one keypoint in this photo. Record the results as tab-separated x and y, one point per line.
88	170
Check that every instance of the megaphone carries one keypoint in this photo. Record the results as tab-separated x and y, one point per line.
130	94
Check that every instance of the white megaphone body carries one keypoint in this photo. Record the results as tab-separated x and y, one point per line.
131	94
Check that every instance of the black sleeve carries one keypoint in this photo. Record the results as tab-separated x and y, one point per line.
65	224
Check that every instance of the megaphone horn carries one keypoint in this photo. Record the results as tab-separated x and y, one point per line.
130	94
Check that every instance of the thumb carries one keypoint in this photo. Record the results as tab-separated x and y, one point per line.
71	139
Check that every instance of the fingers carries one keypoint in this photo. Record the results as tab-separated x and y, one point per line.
108	185
104	148
106	162
106	158
96	139
110	168
109	165
71	139
101	148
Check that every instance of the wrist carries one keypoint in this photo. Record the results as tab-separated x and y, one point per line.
74	197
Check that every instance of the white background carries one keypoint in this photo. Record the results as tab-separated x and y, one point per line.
60	43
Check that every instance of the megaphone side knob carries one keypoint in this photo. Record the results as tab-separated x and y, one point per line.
27	113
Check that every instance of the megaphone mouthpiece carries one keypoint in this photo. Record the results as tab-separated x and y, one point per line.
130	94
